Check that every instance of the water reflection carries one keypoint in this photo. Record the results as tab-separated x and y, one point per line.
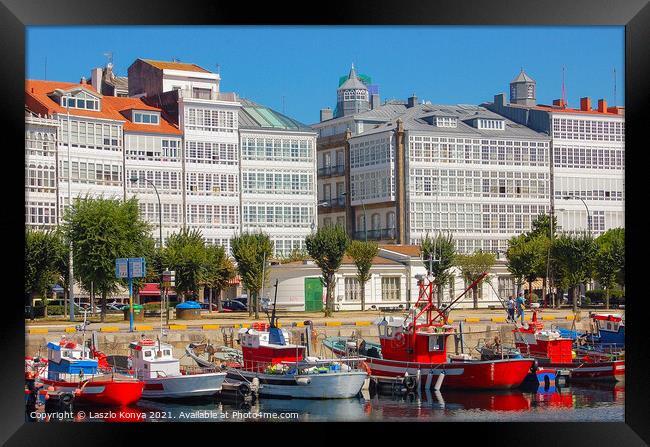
588	402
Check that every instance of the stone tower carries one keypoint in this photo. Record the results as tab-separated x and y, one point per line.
352	96
523	90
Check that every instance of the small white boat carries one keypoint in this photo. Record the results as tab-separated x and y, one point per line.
163	376
284	371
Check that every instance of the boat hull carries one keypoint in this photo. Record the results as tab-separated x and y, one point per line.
466	375
184	386
612	371
336	385
103	392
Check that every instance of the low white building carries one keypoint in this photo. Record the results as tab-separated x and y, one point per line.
392	284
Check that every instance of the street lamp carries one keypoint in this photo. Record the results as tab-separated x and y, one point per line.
70	259
567	197
134	179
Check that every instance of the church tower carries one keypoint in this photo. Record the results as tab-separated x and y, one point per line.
523	90
352	96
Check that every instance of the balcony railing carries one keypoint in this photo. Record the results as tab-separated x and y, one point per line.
329	171
375	235
207	94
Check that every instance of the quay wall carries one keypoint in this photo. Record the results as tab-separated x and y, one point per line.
117	343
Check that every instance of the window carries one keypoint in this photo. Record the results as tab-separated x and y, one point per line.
352	289
146	118
390	288
201	93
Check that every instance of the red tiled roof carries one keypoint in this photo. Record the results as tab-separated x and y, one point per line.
408	250
347	260
163	65
578	111
37	100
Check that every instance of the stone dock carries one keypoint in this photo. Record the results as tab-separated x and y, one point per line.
117	343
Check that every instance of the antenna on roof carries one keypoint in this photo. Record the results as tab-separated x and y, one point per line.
45	77
563	88
175	59
218	69
109	57
283	112
615	87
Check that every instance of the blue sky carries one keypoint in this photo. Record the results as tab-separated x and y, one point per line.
442	64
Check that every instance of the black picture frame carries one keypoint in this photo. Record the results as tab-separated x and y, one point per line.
15	15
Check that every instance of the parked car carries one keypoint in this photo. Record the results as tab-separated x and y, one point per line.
233	306
567	300
115	307
204	306
242	299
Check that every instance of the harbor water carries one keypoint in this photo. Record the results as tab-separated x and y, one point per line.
575	403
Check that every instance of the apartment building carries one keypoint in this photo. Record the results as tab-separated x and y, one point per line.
587	157
278	176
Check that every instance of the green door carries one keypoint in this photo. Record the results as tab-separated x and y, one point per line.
313	295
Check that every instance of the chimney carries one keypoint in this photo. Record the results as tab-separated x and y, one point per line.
602	106
374	101
96	79
559	103
500	100
585	103
82	80
325	114
412	101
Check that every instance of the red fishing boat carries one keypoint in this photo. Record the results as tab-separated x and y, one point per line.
71	370
554	351
415	348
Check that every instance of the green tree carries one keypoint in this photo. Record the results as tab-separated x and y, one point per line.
473	266
102	230
41	256
251	251
185	254
362	253
609	261
442	251
327	247
527	258
219	270
573	257
541	226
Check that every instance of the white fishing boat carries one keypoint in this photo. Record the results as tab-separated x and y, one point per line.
284	371
287	370
164	377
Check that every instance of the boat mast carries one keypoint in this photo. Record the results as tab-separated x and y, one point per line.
275	300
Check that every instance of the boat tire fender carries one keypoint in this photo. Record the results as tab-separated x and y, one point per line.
244	389
65	399
535	366
409	382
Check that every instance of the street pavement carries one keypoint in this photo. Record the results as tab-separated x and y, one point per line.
479	316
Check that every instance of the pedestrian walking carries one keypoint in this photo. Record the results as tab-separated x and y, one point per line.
510	305
520	302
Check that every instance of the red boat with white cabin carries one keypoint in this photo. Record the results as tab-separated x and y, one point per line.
554	351
69	368
416	347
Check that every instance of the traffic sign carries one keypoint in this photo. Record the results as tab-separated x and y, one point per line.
122	268
137	267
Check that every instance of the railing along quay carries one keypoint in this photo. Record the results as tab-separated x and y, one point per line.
216	326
